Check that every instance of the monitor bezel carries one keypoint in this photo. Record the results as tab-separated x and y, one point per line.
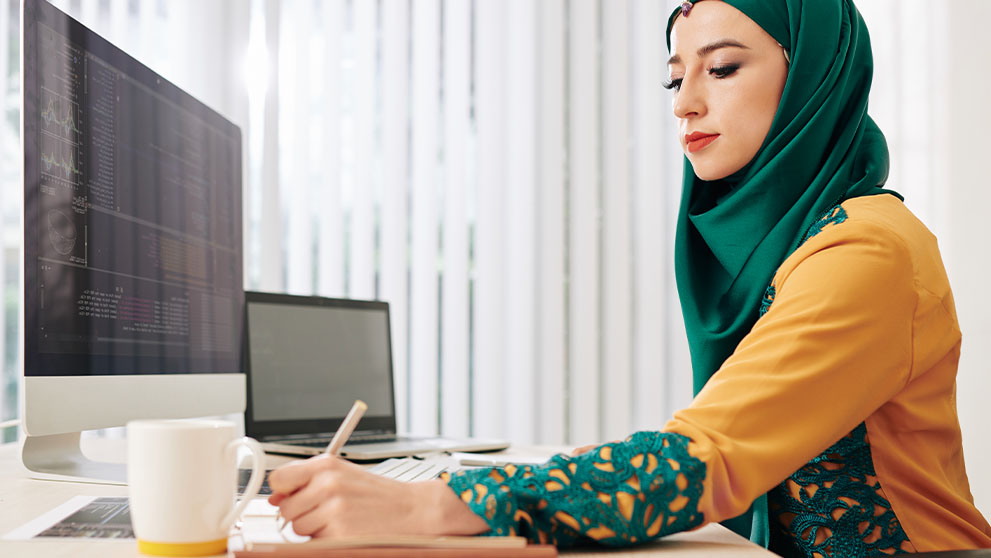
269	428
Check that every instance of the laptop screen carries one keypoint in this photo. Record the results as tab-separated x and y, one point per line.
309	358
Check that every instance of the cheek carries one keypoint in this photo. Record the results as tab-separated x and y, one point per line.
751	112
769	99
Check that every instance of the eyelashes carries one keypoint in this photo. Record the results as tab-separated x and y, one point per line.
724	71
719	72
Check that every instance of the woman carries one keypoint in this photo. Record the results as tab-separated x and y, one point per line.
822	329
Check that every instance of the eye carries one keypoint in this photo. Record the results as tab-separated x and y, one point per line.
723	71
673	84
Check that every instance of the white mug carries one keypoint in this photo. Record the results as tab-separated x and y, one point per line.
182	482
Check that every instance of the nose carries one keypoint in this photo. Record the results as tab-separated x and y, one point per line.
690	99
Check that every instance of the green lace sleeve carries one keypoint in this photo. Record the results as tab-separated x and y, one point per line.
619	494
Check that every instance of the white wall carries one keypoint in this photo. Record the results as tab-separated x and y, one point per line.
962	111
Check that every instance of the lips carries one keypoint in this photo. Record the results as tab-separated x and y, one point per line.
698	140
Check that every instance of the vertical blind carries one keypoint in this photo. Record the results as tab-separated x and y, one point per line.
505	174
500	173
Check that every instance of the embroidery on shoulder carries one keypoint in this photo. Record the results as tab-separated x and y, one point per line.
765	303
834	216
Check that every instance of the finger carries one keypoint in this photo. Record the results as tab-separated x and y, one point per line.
317	522
274	499
292	476
322	486
323	533
581	450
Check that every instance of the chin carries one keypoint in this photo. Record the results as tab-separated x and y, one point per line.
707	177
709	174
712	172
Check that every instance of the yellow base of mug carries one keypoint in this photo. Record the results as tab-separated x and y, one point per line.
208	548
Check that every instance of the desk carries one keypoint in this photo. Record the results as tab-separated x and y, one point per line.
23	499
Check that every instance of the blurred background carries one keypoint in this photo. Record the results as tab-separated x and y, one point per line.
506	174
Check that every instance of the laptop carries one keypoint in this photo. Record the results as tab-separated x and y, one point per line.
307	359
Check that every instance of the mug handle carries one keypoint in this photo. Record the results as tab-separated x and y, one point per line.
254	482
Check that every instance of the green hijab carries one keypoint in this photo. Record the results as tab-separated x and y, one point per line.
822	149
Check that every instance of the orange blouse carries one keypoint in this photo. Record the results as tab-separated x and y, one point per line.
862	328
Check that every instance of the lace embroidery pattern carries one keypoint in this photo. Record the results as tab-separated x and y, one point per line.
765	303
834	216
621	493
834	506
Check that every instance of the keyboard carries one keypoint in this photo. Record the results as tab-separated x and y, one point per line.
408	469
242	482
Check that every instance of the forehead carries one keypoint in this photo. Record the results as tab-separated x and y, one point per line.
713	20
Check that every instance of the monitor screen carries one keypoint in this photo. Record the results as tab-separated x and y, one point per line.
132	214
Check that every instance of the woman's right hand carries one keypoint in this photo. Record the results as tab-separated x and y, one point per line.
329	497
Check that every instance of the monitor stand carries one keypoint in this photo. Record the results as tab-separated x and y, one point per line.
59	457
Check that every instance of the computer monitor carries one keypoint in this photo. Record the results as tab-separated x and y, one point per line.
133	289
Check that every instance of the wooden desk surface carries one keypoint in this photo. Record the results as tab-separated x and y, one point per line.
23	498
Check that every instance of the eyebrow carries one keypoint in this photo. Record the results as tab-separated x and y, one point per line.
709	48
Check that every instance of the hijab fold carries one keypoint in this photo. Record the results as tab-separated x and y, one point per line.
822	149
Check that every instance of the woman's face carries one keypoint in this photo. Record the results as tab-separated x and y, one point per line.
727	75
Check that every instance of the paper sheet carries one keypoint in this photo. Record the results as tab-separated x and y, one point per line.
81	517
